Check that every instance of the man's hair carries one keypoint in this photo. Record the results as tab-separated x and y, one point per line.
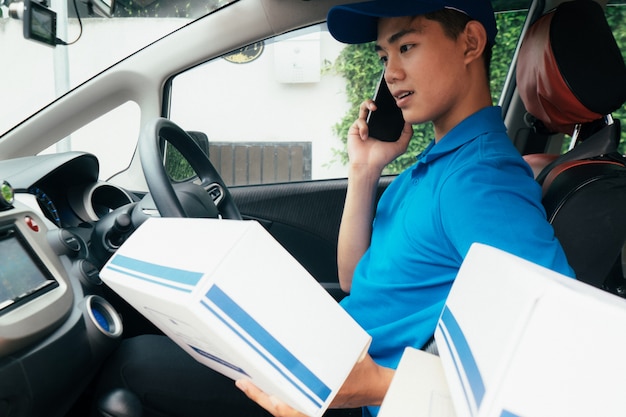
454	23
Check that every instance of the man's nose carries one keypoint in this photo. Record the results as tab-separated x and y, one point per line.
393	71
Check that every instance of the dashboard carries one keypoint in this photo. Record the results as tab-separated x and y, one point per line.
56	323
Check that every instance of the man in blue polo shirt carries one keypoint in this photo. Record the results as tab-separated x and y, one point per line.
470	185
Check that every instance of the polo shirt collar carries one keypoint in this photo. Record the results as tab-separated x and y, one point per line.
483	121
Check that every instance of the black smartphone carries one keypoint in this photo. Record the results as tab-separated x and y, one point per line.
386	123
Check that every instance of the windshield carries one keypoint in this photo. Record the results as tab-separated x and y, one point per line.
34	73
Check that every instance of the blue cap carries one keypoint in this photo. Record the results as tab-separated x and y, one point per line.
358	22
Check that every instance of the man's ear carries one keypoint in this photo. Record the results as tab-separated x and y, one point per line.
475	40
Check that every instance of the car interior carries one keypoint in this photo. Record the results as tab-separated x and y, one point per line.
61	218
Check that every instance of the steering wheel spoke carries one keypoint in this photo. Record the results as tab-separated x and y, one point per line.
216	192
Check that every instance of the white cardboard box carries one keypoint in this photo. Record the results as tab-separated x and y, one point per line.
419	388
516	339
238	302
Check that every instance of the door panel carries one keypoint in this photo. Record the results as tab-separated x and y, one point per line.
304	217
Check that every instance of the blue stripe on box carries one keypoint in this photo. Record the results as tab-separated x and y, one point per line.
260	335
175	275
467	363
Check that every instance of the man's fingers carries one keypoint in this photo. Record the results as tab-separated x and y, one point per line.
269	403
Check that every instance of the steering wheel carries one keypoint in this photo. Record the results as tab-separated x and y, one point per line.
211	189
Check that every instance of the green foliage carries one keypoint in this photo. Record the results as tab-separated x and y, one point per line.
616	16
509	29
176	166
360	66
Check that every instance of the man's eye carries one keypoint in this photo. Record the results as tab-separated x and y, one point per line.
405	48
383	59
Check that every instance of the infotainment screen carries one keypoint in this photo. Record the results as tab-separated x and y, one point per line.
22	275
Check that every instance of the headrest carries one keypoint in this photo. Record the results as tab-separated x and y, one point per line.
570	69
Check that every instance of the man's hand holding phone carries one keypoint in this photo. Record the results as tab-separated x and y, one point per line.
364	149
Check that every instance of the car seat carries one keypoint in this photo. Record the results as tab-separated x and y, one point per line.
571	76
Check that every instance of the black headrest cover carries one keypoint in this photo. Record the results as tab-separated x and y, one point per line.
588	56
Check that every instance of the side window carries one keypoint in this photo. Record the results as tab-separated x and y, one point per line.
616	16
279	110
510	25
268	109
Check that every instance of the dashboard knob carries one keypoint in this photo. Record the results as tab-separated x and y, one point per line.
65	242
88	272
121	226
